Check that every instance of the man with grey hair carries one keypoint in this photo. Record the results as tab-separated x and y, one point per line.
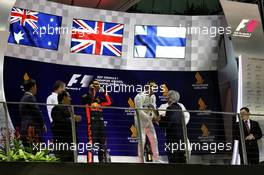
173	96
177	98
171	121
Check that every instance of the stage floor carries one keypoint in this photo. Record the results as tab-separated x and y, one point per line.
39	168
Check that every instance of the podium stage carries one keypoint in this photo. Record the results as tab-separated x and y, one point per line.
23	168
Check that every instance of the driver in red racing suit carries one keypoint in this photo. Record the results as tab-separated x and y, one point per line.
96	128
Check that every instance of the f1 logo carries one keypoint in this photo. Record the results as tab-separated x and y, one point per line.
84	81
249	24
74	79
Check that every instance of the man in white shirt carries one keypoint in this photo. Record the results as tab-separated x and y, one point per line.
58	87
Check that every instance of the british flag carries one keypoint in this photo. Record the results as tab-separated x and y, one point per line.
24	16
96	37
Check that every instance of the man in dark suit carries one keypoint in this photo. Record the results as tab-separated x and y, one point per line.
172	122
62	128
252	134
32	123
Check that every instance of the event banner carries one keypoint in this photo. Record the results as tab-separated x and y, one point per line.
198	91
253	83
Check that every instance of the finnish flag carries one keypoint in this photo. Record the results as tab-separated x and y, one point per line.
159	42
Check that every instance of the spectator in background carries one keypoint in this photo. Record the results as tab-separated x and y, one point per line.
32	123
58	87
252	133
62	127
172	122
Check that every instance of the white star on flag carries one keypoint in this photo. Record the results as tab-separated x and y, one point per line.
18	36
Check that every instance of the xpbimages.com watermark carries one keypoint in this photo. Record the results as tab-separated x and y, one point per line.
211	31
51	30
204	146
57	146
124	88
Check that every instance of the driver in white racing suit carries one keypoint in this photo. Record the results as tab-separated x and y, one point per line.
147	99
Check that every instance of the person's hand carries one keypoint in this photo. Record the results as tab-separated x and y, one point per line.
77	118
250	137
156	119
151	106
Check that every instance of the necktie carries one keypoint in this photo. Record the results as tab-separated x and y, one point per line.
246	123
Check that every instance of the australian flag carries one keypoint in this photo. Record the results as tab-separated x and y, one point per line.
159	42
97	37
34	29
